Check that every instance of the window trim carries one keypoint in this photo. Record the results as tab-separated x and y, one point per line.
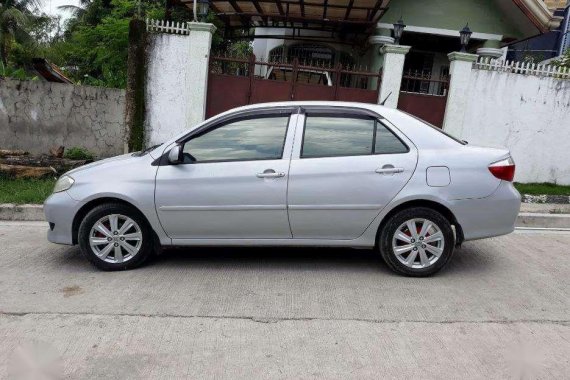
345	115
221	124
239	115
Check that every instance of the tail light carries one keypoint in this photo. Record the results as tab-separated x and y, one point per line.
504	169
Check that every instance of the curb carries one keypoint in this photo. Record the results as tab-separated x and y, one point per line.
28	212
551	199
10	211
530	219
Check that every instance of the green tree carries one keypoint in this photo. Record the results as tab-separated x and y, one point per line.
95	47
15	19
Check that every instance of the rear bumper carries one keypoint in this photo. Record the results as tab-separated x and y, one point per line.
59	209
494	215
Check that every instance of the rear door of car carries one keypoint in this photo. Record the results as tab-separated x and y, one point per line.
346	166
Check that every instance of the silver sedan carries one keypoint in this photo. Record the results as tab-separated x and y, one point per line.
292	174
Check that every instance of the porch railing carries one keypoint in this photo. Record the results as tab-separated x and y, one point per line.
525	68
424	83
314	73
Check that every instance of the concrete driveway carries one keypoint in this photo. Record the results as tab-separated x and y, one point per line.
501	309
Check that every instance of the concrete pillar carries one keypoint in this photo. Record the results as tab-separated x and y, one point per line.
177	78
392	70
381	38
491	49
460	75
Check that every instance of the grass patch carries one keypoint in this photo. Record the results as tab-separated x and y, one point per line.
22	191
542	188
77	153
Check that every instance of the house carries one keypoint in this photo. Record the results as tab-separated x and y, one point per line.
337	32
548	45
336	43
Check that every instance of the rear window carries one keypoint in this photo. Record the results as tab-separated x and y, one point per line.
440	130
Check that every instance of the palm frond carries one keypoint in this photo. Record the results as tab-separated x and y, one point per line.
73	9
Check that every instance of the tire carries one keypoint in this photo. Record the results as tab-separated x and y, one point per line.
132	252
422	259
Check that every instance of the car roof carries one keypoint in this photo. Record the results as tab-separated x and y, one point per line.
419	132
422	134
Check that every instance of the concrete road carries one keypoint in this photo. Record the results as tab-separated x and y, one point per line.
501	309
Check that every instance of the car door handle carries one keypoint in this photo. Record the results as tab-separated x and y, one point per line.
389	170
270	173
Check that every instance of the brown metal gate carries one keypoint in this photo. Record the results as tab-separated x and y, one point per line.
424	97
235	81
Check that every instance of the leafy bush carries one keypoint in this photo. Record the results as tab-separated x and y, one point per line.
77	153
15	73
563	60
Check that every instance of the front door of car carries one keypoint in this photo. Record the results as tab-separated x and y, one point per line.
233	182
345	169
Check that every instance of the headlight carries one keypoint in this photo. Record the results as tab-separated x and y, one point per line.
63	183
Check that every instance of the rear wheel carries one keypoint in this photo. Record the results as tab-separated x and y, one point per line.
115	236
417	242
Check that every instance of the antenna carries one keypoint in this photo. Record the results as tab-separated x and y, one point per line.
386	98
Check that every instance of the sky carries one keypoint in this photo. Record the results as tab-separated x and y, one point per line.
50	7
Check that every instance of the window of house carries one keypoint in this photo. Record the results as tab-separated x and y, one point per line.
329	136
249	139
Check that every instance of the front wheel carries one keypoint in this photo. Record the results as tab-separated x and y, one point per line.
417	242
115	236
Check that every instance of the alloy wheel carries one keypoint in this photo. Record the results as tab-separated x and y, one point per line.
418	243
115	238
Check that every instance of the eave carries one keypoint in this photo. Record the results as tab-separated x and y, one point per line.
538	14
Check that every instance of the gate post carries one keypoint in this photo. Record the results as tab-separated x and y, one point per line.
392	70
177	77
460	75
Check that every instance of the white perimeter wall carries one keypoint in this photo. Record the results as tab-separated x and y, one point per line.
528	114
177	81
168	87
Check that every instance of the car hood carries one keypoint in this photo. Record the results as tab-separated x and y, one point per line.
108	161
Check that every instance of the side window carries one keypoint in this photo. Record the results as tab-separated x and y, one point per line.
250	139
387	142
329	136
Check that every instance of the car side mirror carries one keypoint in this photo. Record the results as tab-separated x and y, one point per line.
175	156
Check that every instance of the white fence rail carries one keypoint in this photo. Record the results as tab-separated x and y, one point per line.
167	27
525	68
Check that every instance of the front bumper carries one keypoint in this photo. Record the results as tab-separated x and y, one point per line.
60	209
494	215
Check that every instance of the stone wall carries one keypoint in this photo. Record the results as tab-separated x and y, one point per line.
36	116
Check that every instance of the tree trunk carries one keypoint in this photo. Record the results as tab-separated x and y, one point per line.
136	71
59	165
6	152
20	171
